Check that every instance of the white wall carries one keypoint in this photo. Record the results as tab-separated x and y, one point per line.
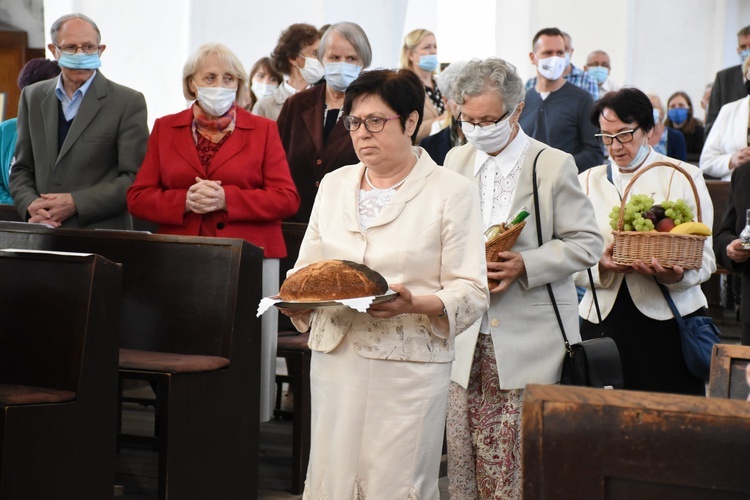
658	45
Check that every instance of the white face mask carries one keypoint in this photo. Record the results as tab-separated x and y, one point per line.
490	139
313	71
261	89
551	68
216	100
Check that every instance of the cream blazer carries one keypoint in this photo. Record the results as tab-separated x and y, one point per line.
663	184
525	333
428	238
728	135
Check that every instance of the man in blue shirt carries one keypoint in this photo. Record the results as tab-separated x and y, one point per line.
81	138
557	112
576	76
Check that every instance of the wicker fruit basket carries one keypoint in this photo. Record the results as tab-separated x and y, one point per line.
500	243
685	250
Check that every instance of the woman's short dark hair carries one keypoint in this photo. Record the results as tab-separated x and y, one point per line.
292	40
401	90
37	70
629	104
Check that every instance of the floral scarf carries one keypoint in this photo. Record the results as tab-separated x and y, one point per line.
213	129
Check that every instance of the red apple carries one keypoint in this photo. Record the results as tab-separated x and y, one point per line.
665	225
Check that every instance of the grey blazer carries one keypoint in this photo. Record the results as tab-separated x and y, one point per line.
98	161
525	333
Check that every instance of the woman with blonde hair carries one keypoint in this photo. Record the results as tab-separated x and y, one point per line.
216	170
419	54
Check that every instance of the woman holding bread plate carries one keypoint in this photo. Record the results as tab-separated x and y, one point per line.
379	380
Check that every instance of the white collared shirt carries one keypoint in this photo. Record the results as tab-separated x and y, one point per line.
499	175
70	106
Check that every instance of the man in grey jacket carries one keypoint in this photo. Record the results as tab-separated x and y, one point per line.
81	138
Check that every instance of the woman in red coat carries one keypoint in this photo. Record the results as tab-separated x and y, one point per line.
216	170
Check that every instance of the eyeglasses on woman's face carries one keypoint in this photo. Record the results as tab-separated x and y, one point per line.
373	124
622	137
470	126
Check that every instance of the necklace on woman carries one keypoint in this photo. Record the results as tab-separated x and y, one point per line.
394	187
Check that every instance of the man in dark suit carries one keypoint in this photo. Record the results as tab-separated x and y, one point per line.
81	138
730	252
730	83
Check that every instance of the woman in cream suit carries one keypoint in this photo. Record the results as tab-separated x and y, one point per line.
726	146
519	340
379	380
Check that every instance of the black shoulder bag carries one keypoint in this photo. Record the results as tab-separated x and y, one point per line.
594	362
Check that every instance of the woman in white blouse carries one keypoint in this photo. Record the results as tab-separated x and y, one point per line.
634	311
726	146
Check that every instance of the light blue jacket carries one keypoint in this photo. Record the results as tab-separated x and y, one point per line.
8	133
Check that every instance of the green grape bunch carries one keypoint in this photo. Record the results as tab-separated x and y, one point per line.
678	211
632	218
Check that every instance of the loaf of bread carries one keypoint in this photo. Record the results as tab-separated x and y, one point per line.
332	280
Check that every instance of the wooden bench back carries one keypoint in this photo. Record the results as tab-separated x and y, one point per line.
180	294
599	444
52	310
293	233
728	378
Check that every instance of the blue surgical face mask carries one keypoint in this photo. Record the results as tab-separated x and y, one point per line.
639	158
744	54
657	118
678	115
428	62
79	60
567	59
339	75
598	73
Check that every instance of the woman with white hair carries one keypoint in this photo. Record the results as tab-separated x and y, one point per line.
518	341
214	169
310	125
450	136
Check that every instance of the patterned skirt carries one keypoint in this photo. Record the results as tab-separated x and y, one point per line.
484	433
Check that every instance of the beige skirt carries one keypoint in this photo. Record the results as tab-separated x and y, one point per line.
377	427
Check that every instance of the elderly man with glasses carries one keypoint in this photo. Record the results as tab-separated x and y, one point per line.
81	137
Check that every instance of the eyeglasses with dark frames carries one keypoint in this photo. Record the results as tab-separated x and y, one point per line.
470	126
623	137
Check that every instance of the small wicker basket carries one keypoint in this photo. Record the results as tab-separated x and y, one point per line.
685	250
500	243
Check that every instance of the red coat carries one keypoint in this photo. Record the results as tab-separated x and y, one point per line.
251	166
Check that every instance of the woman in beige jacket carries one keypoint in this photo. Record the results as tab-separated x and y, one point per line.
379	380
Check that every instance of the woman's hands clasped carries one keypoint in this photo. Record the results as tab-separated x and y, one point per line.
663	275
205	196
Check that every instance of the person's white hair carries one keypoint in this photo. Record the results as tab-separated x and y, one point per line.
224	55
489	75
353	34
67	17
446	77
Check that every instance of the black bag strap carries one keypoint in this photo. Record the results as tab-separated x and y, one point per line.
672	306
549	285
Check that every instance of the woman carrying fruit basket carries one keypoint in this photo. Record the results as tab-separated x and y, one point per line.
634	311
